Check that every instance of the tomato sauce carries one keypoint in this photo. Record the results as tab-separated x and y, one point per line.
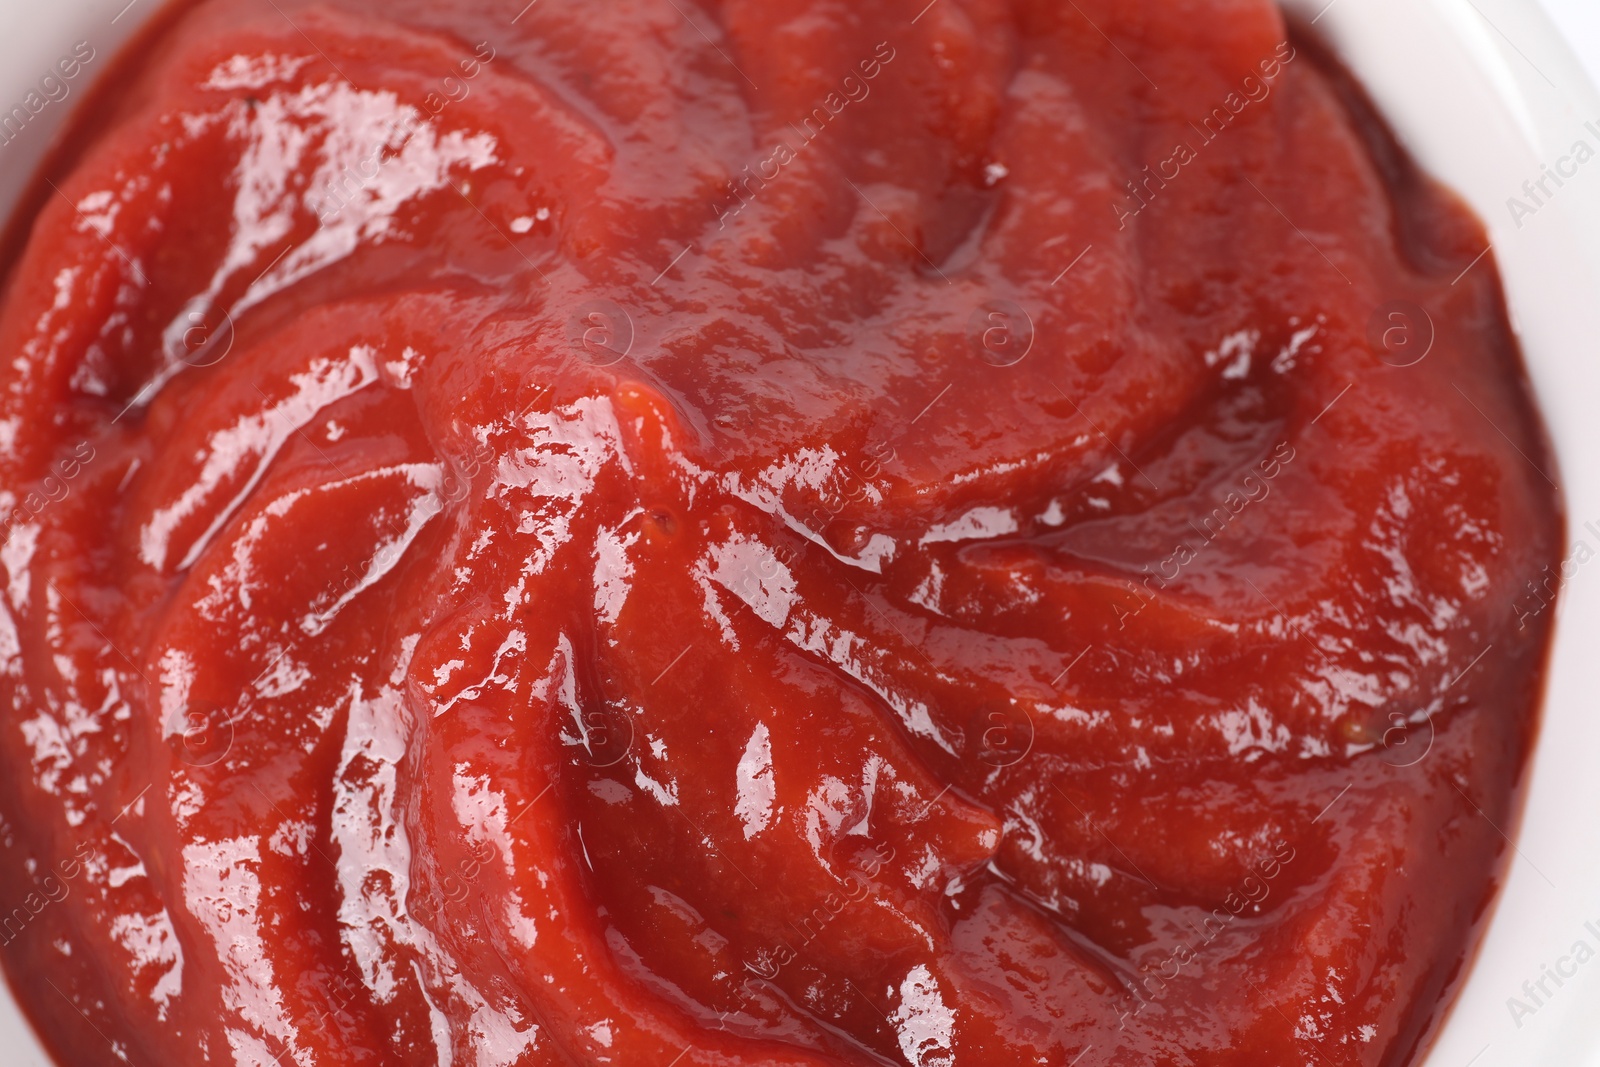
754	533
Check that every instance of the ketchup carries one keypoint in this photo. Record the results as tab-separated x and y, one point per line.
754	533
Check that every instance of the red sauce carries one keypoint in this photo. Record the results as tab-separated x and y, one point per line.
765	533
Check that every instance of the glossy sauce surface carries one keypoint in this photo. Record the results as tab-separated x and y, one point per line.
759	533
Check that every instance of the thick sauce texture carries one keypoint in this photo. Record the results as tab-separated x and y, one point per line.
689	534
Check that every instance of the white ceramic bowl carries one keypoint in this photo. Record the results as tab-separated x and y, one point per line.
1484	93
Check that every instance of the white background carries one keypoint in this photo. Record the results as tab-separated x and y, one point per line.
1579	22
